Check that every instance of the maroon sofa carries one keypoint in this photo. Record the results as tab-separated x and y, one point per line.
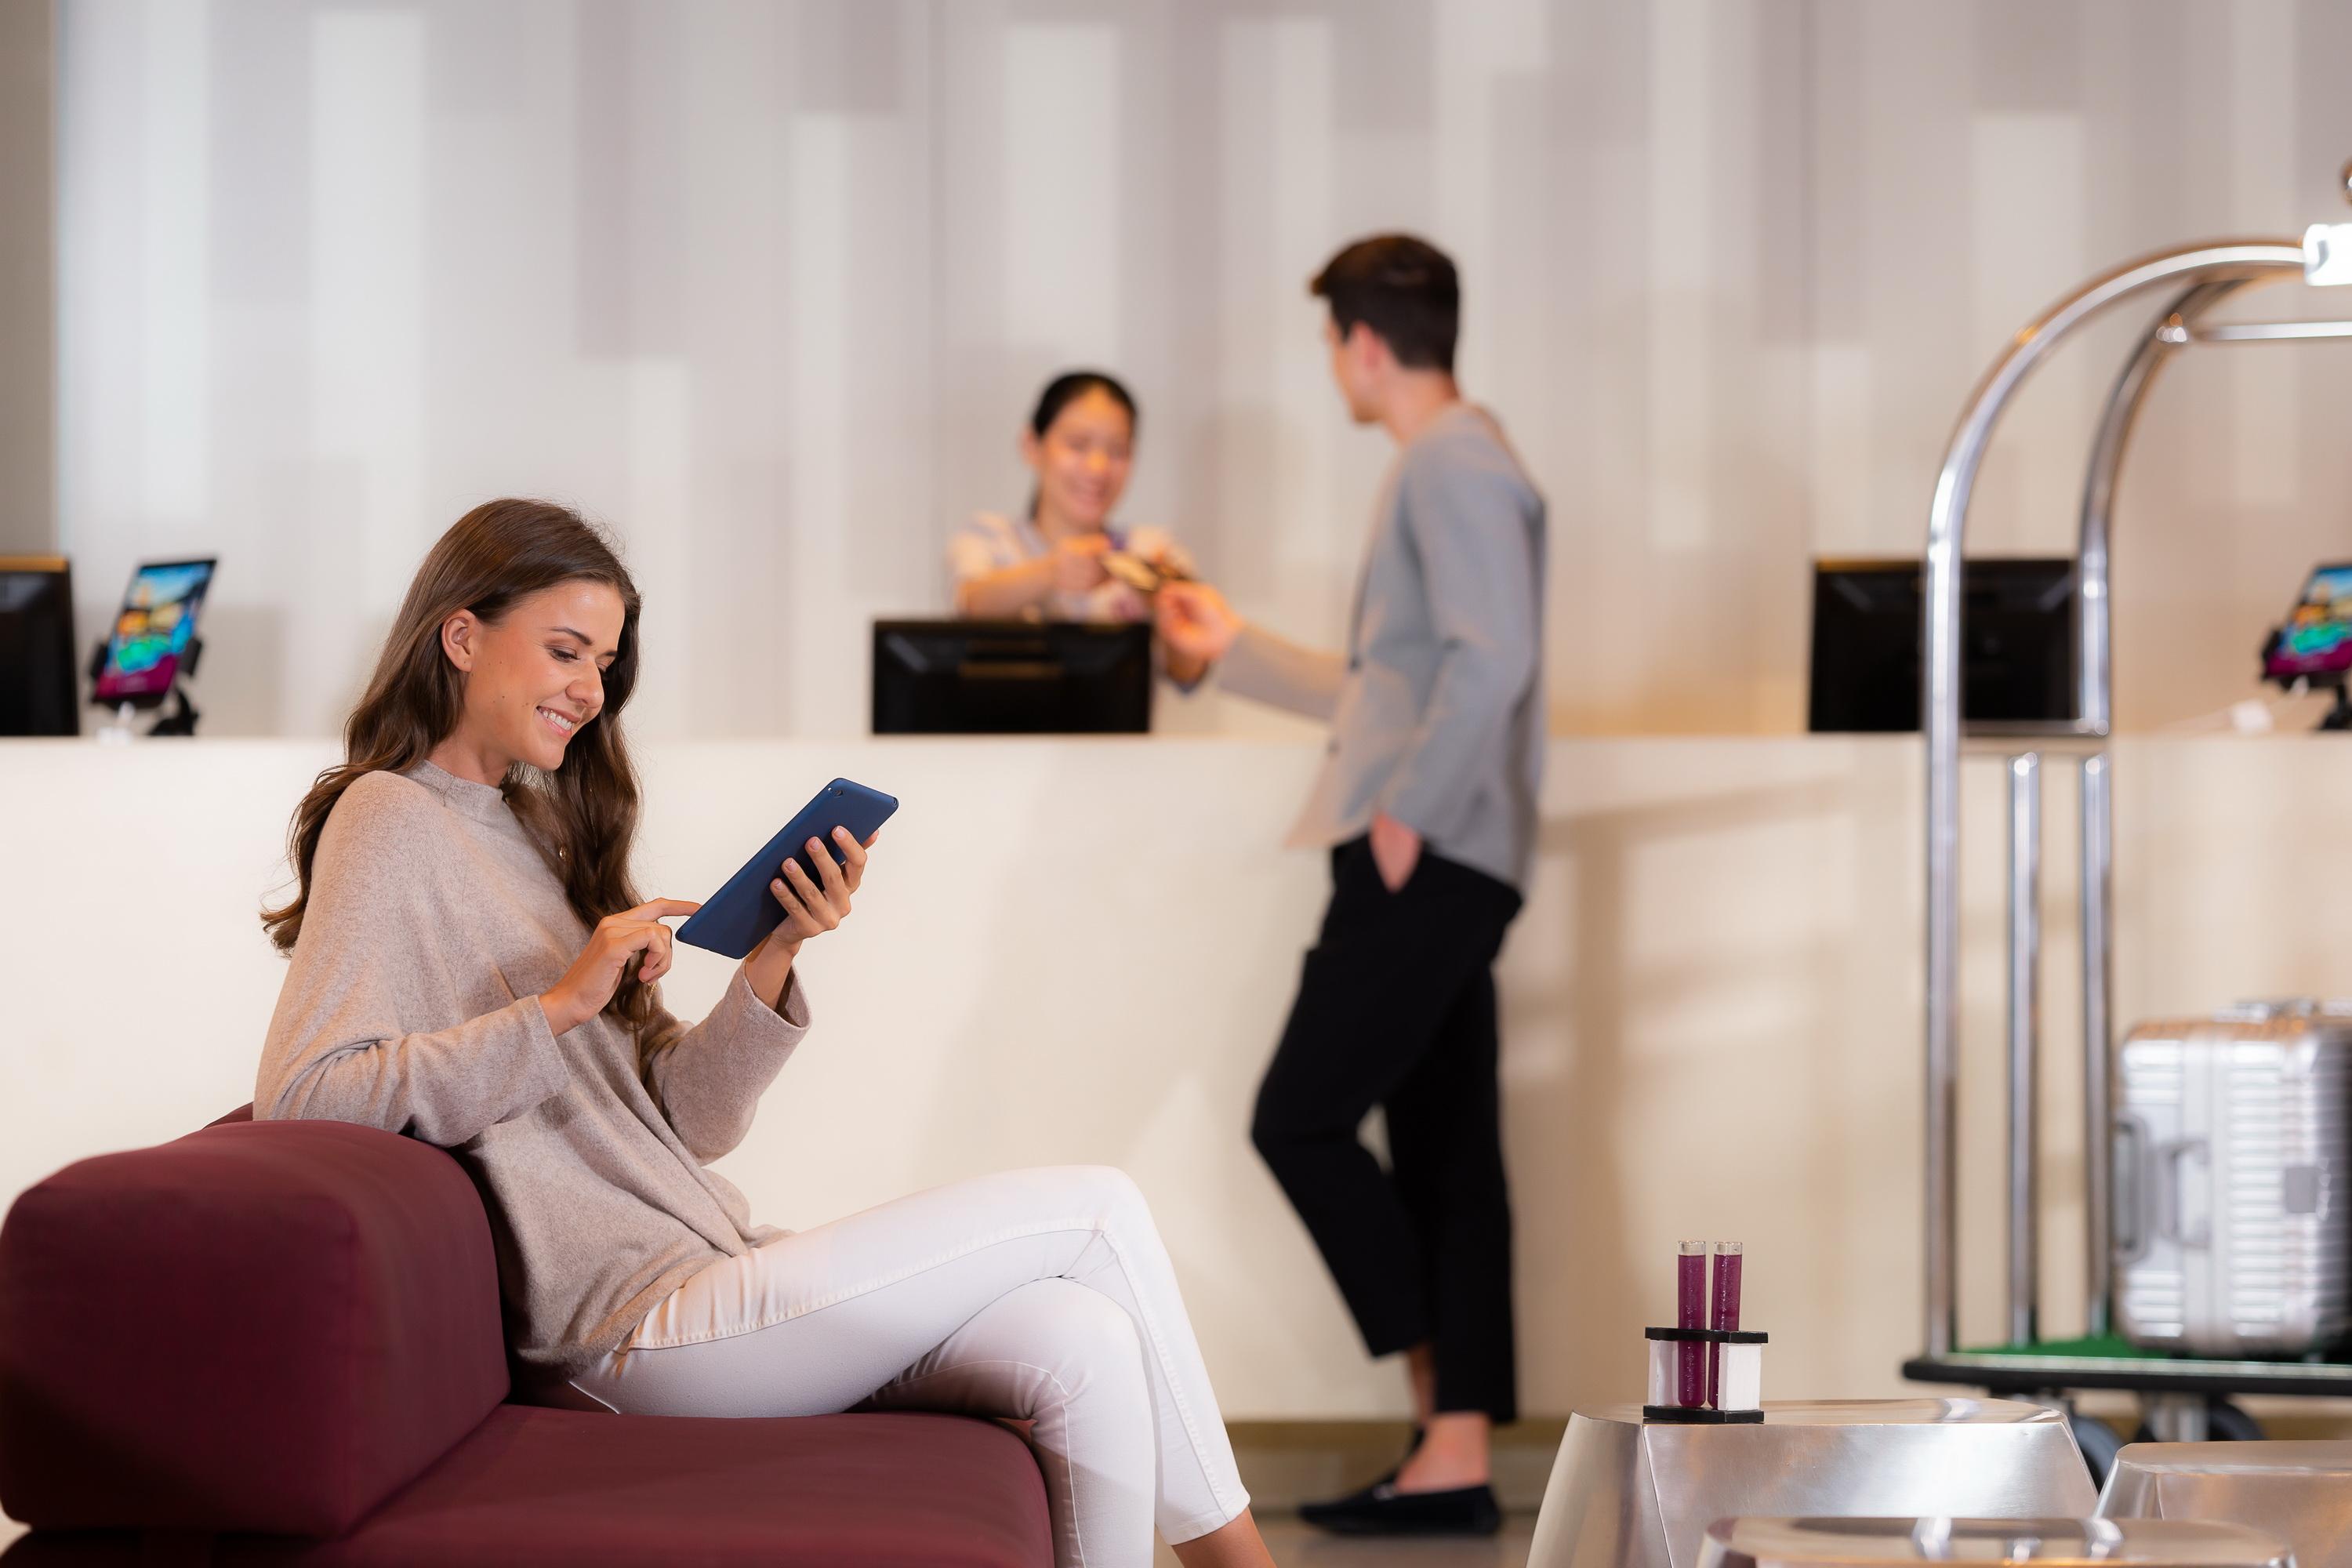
280	1342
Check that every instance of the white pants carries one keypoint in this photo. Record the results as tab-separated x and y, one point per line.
1042	1295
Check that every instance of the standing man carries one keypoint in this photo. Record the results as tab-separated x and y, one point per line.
1427	801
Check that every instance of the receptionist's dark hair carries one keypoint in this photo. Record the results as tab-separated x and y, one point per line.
1404	289
1068	387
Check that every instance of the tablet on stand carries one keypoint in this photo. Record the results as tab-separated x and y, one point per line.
151	647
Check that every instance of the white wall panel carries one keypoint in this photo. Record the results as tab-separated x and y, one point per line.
2262	100
1061	191
174	276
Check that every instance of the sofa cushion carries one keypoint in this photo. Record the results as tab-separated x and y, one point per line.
262	1326
564	1489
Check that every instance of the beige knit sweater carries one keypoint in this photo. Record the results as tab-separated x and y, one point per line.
412	1004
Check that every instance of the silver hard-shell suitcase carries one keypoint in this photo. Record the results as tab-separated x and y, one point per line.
2233	1146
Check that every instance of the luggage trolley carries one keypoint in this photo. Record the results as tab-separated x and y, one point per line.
2185	1399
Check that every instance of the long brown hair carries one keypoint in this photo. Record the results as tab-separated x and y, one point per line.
583	816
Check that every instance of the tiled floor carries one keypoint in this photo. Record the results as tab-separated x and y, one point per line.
1296	1546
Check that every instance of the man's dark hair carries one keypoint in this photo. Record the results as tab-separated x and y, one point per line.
1404	290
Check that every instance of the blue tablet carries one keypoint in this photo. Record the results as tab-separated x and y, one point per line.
739	917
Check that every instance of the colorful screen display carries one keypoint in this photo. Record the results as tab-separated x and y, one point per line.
151	633
2317	637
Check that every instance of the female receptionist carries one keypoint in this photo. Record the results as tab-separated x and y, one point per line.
1065	559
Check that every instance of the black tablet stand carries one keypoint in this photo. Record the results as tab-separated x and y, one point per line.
2339	716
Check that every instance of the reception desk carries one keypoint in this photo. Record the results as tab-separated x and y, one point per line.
1082	951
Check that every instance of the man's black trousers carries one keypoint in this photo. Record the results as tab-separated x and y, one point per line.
1396	1008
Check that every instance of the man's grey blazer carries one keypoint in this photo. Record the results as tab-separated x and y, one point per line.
1437	708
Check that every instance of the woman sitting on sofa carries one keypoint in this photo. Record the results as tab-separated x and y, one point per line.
473	965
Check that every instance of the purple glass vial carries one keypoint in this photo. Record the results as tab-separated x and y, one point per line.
1690	1312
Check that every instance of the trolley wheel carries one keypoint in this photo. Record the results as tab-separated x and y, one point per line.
2229	1423
2100	1444
2224	1422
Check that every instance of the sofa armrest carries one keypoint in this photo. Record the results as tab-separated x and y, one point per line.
263	1326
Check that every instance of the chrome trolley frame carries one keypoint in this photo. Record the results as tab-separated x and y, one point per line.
2199	279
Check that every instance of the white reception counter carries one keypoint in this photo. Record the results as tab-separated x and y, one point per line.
1081	951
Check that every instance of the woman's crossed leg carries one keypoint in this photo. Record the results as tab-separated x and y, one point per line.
1042	1295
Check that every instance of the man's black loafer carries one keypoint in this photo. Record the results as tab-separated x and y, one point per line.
1381	1509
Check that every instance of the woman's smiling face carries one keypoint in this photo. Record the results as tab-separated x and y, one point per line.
1082	461
535	677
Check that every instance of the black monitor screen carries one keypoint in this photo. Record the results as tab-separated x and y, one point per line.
40	673
2017	643
1010	677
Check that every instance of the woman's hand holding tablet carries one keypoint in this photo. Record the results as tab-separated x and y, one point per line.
812	909
799	882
